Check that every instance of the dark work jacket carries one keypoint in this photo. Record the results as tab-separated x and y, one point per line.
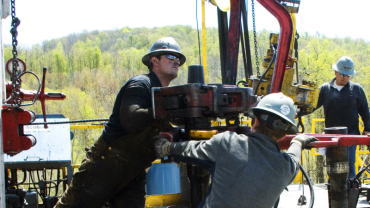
123	120
342	108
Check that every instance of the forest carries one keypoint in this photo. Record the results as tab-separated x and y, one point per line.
91	67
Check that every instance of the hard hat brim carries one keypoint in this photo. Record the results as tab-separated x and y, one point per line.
292	130
351	73
147	56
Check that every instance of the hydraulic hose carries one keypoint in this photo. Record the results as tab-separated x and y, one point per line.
310	185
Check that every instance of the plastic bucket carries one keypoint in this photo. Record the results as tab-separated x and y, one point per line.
163	178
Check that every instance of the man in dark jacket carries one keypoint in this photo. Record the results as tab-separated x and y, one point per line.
343	102
114	169
248	170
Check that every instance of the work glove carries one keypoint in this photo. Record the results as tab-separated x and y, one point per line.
303	140
162	147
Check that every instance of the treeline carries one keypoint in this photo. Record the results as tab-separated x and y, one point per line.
91	67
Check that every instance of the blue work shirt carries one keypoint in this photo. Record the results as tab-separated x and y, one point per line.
249	171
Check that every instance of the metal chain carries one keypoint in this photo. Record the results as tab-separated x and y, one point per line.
15	78
255	39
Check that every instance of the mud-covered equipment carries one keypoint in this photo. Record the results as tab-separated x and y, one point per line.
345	65
166	45
280	105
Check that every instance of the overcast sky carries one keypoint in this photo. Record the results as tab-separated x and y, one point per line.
48	19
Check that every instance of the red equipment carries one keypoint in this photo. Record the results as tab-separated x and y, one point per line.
14	139
286	30
14	118
30	95
329	140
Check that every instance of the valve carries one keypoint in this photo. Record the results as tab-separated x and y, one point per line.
13	116
47	96
32	95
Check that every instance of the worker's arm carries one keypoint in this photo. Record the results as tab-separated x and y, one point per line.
298	143
202	150
363	110
322	95
135	107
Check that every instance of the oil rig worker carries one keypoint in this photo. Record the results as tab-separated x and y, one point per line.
343	102
113	171
248	170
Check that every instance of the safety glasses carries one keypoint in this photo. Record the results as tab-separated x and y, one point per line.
172	57
344	75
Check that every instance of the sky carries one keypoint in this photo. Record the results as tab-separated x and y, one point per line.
48	19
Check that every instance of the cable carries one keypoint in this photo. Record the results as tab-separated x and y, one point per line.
34	185
300	123
310	185
34	98
296	56
197	20
67	122
302	199
38	90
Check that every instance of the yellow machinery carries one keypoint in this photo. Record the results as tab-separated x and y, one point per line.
304	93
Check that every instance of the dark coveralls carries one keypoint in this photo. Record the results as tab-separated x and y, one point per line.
342	108
114	169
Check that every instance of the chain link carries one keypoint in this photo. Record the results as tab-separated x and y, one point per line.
15	78
255	39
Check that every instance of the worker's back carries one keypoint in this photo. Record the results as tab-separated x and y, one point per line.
250	172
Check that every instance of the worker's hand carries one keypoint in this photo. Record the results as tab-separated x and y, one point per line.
162	146
303	140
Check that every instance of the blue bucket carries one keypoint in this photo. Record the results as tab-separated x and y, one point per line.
163	178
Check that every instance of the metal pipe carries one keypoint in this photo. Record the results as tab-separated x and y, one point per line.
223	27
233	39
329	140
286	30
337	167
2	93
